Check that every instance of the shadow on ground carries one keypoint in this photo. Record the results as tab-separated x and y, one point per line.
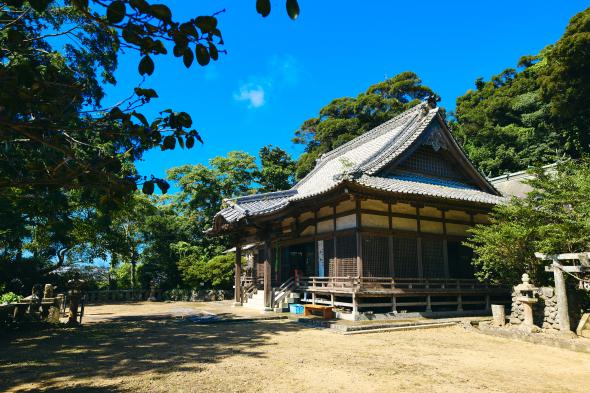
67	360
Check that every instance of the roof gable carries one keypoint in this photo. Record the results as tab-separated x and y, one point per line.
435	156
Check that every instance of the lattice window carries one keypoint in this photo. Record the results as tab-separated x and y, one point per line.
344	264
432	258
405	257
427	161
375	256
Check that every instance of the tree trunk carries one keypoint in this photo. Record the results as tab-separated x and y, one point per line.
133	264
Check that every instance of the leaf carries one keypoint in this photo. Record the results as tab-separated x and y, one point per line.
141	118
188	57
116	113
14	3
263	7
206	23
146	65
163	185
180	141
190	142
148	187
147	93
130	34
161	12
202	54
184	119
39	5
116	12
169	143
80	4
189	29
178	50
140	5
213	51
292	9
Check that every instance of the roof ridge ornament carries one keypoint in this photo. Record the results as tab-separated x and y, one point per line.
432	100
436	139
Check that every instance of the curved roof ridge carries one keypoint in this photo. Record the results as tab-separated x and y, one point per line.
263	196
399	145
359	140
372	133
410	131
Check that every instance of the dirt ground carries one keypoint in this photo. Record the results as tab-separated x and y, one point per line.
149	348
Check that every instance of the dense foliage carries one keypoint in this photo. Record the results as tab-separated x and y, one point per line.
67	175
345	118
532	115
553	218
69	190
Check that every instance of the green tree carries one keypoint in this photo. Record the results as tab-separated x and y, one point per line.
566	83
277	169
64	154
216	273
503	124
553	218
202	191
346	118
532	115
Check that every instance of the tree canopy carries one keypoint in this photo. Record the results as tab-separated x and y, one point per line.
554	218
345	118
534	114
67	160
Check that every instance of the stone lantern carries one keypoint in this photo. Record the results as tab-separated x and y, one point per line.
526	296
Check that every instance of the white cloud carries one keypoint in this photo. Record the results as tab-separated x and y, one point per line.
254	94
282	73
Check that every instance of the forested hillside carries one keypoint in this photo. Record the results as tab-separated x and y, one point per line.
535	113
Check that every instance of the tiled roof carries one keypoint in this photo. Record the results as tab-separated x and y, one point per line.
422	188
257	204
358	161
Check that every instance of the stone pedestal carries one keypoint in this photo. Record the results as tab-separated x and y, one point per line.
527	303
499	314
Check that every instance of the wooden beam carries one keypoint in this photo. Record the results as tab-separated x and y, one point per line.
238	298
267	273
390	244
359	244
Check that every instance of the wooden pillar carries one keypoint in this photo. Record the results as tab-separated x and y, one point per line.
390	244
393	304
419	257
419	244
445	246
267	273
238	299
359	245
560	292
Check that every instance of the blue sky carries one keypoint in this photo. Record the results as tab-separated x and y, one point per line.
278	72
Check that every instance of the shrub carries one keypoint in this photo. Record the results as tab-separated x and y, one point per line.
10	297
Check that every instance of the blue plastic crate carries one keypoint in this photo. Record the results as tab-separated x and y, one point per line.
296	308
